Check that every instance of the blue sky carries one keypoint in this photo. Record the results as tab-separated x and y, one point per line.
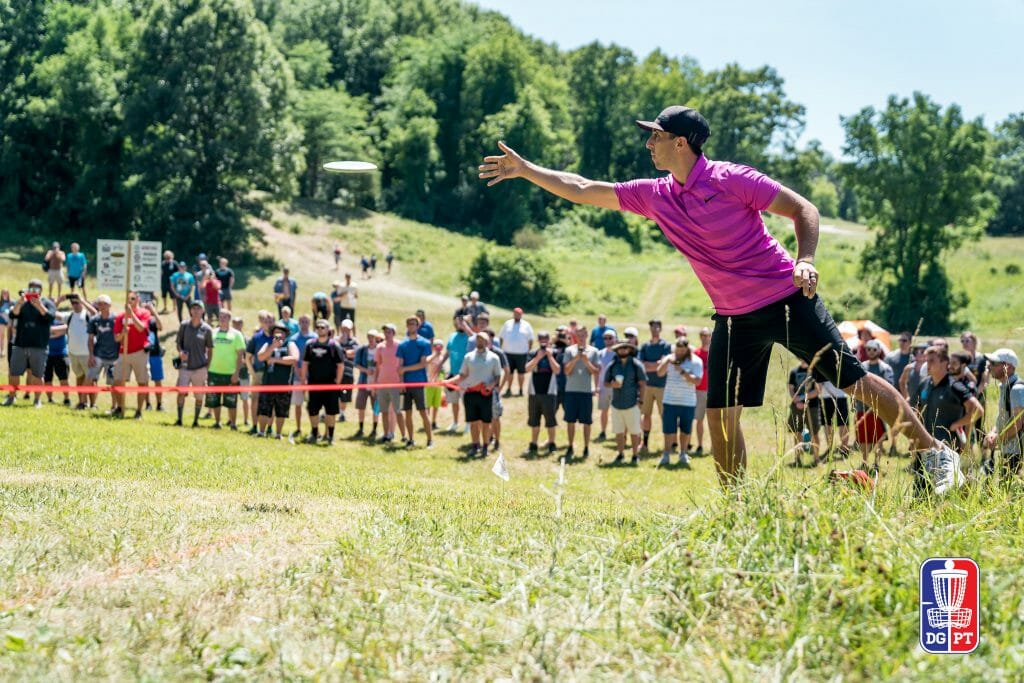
836	57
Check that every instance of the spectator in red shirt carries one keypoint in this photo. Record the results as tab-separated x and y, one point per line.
211	296
132	354
702	390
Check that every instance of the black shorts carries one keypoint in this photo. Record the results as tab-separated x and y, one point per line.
414	395
544	404
738	359
516	362
56	365
321	312
348	314
216	400
274	404
479	408
809	417
326	400
835	411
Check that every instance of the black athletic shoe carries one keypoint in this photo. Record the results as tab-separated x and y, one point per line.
483	453
216	425
635	461
311	439
177	423
473	450
600	437
551	449
253	430
586	453
619	459
569	452
533	448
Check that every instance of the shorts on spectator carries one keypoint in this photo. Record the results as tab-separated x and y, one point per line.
56	365
216	400
516	363
479	408
55	276
362	396
323	400
244	382
677	418
274	404
156	368
870	428
702	405
101	367
79	365
497	407
212	312
653	396
78	281
225	294
626	420
541	405
23	358
453	395
809	417
414	395
836	411
388	399
346	394
604	400
348	314
133	364
579	407
193	378
433	396
298	397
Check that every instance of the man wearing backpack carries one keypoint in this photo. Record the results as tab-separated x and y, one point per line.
1008	431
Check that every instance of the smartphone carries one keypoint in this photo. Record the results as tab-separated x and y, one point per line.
145	297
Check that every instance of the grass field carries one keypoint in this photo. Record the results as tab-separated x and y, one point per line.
134	550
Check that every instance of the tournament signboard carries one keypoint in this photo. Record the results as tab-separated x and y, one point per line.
113	271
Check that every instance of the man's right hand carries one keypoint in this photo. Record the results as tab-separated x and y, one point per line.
990	439
498	168
92	361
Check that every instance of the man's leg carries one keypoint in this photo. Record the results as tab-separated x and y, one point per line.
474	432
570	432
727	443
216	416
426	424
15	380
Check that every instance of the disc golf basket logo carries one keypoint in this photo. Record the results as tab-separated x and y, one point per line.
949	586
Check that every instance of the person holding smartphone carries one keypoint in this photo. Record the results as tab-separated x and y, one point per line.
34	315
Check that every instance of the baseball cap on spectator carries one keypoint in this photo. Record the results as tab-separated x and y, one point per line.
182	264
682	121
874	344
280	325
517	310
197	304
101	299
438	344
35	283
237	319
389	326
1003	356
680	330
372	333
347	324
631	332
654	321
474	295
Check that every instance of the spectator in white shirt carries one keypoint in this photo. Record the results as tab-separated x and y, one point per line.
516	337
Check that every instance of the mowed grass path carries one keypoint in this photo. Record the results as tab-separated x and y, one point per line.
143	551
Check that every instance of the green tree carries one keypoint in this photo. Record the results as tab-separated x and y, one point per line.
600	79
516	277
920	173
1009	177
208	119
411	155
748	112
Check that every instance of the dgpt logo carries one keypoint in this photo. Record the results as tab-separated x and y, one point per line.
950	595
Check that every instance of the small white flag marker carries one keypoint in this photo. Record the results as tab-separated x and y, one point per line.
499	467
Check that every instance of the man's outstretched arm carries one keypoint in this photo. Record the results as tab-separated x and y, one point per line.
571	186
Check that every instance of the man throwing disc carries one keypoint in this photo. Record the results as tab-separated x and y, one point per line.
711	212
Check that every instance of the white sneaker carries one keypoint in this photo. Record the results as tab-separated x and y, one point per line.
941	468
452	428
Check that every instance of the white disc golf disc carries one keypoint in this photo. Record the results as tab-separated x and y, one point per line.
350	166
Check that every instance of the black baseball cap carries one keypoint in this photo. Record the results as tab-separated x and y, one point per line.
682	121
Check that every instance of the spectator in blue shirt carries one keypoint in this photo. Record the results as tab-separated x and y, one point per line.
597	334
455	352
426	329
77	266
182	284
414	352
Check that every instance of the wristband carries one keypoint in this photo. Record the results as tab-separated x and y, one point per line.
806	259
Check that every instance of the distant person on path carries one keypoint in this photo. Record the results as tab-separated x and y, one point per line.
337	256
373	264
711	212
226	277
285	291
55	259
390	258
1008	434
194	342
364	263
168	267
34	315
702	391
627	379
182	283
516	337
78	267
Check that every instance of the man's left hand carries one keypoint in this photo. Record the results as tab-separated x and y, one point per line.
805	276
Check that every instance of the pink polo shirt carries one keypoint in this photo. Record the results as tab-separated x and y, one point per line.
386	357
714	219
